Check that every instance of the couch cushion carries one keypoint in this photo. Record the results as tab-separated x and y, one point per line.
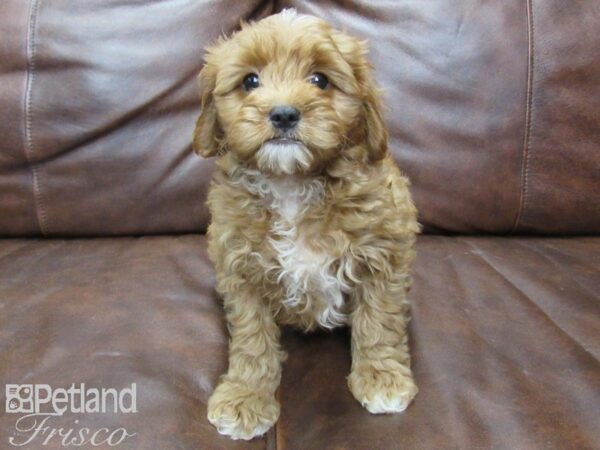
17	202
506	353
494	110
504	334
109	313
97	108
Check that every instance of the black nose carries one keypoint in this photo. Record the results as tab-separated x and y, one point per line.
284	117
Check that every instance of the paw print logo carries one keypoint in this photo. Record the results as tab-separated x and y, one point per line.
19	398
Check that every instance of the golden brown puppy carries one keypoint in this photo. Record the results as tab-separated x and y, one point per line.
312	222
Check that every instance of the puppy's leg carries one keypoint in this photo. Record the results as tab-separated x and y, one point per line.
243	405
381	379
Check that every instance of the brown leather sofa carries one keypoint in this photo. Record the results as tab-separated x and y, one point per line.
104	278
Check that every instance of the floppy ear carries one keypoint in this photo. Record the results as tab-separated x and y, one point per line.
206	134
355	54
377	135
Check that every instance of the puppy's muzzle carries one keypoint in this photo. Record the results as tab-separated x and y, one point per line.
284	117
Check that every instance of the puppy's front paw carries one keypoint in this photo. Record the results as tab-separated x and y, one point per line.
241	412
382	391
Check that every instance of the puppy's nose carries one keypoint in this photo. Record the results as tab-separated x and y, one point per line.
284	117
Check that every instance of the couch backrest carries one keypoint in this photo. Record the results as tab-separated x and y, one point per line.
98	100
494	111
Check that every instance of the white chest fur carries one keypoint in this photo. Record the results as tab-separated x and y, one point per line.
310	282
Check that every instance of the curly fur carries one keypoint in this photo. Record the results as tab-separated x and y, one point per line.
313	231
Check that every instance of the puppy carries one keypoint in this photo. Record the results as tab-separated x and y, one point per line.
312	222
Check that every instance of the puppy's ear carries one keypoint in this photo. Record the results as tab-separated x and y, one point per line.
355	54
206	134
377	135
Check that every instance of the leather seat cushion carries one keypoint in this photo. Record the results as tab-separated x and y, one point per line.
504	337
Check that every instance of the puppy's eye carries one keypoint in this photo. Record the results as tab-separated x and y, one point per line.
250	82
319	80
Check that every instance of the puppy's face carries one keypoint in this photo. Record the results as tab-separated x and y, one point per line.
286	95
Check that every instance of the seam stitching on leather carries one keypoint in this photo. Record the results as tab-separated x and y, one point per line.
528	107
29	146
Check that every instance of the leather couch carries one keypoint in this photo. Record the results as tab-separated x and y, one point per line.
494	114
